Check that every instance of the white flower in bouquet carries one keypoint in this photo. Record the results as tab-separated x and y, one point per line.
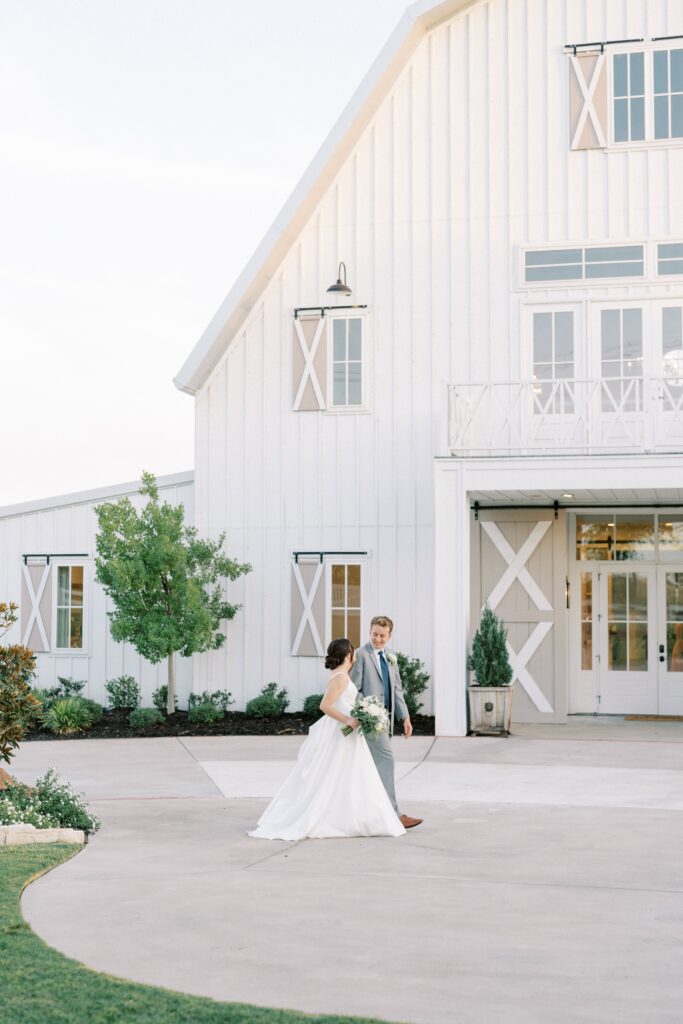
371	715
391	658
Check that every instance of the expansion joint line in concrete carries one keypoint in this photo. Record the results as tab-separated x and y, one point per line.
197	762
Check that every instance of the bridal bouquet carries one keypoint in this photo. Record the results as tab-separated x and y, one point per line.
372	717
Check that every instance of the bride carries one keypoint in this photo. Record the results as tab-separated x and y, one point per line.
334	790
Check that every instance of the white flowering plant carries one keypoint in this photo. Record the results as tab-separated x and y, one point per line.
51	803
371	715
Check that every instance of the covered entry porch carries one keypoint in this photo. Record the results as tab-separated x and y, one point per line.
582	556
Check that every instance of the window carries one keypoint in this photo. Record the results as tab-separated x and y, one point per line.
627	622
553	361
345	602
629	97
670	258
668	94
602	261
621	353
624	537
347	361
70	607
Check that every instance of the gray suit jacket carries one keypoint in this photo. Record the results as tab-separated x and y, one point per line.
368	678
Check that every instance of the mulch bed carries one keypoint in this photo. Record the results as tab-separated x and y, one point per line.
114	725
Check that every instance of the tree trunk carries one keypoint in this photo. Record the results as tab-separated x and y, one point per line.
170	702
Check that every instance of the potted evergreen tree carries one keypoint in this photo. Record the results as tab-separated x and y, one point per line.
490	692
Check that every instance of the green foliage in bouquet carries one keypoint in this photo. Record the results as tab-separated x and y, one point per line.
123	692
145	719
18	706
414	680
270	703
489	659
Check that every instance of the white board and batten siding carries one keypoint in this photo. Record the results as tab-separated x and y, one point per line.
466	161
64	528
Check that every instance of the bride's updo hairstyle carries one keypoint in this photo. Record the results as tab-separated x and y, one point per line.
337	652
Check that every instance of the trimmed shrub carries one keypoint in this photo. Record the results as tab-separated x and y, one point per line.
69	687
221	699
270	703
489	659
143	719
70	715
414	680
312	704
204	712
48	804
123	692
160	699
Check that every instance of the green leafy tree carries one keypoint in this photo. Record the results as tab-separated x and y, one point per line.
489	659
18	706
163	580
414	680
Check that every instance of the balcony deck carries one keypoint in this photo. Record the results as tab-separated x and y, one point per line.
566	417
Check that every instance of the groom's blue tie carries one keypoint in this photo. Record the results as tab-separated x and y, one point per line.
385	680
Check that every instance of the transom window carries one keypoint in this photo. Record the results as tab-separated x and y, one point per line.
623	536
345	604
584	263
347	361
670	258
70	607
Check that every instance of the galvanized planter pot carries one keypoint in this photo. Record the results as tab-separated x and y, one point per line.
490	710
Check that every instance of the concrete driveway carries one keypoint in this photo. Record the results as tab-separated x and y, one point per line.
546	885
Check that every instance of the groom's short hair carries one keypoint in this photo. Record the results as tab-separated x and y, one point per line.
383	621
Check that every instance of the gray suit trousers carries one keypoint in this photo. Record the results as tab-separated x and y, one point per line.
380	748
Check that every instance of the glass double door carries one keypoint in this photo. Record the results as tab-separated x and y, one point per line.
632	638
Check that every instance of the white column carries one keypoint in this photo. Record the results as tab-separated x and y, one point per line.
451	597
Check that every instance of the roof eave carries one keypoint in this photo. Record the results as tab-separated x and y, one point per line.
416	21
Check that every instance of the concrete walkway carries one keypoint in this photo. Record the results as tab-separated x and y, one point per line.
546	885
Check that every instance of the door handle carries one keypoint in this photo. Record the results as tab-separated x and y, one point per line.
662	654
661	648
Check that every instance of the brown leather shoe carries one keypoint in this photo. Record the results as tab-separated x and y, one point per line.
408	822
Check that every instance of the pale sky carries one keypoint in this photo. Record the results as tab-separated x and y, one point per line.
145	148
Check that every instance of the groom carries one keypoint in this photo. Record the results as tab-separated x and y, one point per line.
375	673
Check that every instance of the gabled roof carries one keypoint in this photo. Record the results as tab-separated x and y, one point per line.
417	20
96	494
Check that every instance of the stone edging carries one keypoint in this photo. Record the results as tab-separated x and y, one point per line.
21	835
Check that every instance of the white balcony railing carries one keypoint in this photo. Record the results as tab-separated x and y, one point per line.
616	414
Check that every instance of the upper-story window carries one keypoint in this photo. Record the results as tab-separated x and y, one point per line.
629	97
347	361
647	100
584	263
668	93
328	357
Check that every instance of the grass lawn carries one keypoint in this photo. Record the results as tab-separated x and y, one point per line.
40	986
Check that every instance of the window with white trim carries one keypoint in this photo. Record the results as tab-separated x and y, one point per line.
553	361
585	263
345	602
69	608
669	258
347	361
668	93
621	359
628	76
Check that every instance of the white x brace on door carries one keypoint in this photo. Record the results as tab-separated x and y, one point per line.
36	600
516	570
309	364
588	101
308	609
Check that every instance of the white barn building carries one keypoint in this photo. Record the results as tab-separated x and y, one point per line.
496	412
47	567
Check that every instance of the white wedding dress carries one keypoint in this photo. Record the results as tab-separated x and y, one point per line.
334	790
